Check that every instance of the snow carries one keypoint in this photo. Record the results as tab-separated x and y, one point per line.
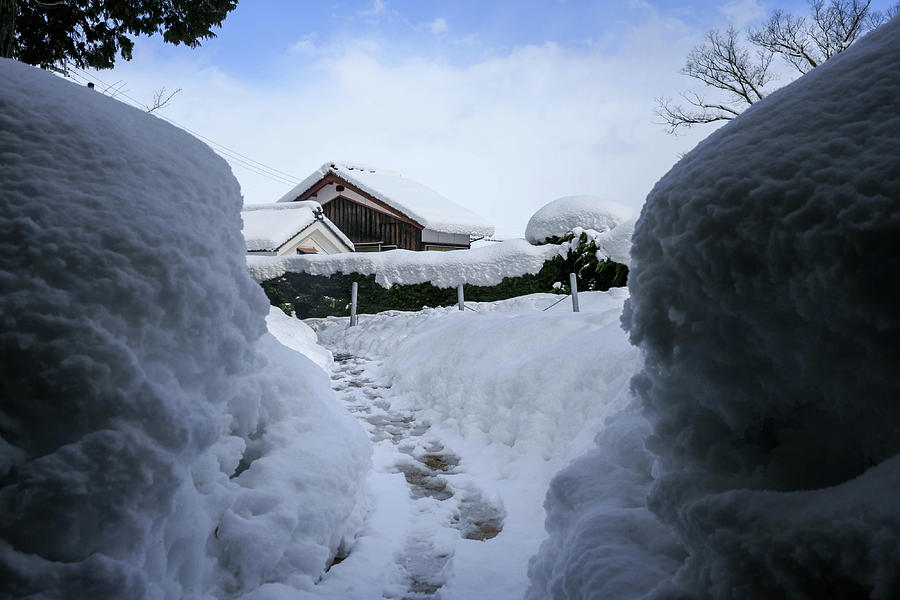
561	216
478	266
267	227
299	337
155	441
613	244
760	304
420	203
516	392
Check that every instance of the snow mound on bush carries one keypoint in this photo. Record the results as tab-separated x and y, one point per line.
561	216
155	441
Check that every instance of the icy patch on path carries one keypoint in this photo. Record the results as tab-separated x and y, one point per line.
445	504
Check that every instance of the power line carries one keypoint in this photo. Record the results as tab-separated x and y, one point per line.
238	159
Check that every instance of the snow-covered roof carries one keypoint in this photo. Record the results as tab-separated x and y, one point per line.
561	216
418	202
267	227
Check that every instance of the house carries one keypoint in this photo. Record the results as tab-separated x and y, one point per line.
382	210
295	228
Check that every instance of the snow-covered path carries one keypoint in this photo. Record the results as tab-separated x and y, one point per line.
443	507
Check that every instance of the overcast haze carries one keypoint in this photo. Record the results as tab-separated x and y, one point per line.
499	106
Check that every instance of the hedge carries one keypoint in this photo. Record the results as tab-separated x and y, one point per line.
320	296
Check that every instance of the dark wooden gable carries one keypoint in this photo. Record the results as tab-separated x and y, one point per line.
366	224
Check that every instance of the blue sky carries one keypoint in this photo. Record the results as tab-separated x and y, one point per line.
501	106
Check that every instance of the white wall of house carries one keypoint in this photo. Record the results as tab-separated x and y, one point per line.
317	236
430	236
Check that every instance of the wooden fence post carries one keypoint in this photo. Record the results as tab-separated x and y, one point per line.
353	292
573	285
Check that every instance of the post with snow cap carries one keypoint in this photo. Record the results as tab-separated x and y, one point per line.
354	288
573	285
460	298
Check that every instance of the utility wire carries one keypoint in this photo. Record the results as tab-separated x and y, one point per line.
239	159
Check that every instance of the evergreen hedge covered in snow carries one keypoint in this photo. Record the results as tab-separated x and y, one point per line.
309	295
764	299
155	441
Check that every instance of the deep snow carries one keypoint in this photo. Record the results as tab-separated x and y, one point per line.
764	299
155	441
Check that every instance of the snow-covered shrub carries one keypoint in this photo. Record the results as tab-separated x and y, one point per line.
155	442
764	298
594	269
561	216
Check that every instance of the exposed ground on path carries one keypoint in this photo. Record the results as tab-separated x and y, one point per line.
429	468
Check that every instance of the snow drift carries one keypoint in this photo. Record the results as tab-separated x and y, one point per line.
763	299
155	442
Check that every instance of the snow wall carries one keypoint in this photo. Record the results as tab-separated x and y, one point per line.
155	441
764	298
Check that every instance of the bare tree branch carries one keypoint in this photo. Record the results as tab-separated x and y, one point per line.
160	100
788	36
675	116
722	63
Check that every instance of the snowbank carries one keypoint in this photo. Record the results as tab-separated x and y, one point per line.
531	381
561	216
480	266
299	337
155	442
759	300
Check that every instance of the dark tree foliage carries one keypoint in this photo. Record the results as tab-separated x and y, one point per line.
90	33
320	296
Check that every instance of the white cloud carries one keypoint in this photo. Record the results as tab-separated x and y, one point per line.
742	13
305	45
378	7
503	136
438	26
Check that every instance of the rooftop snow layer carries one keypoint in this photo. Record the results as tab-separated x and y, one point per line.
559	217
420	203
267	227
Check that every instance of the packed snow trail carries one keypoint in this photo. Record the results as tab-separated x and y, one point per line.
429	468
